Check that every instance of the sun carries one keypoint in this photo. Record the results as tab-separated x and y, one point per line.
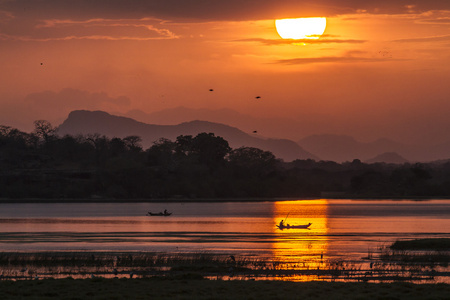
301	28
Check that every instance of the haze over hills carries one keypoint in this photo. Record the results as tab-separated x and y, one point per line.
345	148
387	157
339	148
275	127
91	122
333	147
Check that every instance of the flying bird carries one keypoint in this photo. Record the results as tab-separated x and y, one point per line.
254	131
258	97
211	90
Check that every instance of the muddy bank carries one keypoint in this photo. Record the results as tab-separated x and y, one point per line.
196	288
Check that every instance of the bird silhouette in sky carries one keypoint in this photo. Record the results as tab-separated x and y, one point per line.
258	97
211	90
254	131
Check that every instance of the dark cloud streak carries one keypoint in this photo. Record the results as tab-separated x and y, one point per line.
436	21
443	38
201	10
329	59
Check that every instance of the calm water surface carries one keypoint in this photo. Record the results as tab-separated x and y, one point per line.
341	229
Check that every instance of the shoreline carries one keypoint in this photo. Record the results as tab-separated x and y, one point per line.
191	287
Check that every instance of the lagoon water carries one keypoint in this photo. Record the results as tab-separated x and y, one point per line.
341	229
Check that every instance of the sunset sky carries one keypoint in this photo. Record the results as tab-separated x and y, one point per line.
381	68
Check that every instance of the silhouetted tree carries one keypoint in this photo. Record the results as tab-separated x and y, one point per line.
117	147
133	143
42	164
210	149
254	160
44	130
162	154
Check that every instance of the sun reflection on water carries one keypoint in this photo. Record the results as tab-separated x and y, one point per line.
302	249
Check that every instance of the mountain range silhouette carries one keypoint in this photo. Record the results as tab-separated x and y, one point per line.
92	122
339	148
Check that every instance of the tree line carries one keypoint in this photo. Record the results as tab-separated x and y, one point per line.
42	164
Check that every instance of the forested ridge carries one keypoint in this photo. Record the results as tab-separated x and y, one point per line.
42	164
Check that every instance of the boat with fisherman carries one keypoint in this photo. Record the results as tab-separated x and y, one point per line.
282	225
289	226
162	214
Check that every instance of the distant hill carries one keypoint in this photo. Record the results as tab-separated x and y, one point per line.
388	157
342	148
177	115
90	122
275	127
334	147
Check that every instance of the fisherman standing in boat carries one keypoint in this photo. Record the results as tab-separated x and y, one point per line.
281	223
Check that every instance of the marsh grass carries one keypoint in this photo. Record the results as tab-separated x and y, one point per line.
422	252
109	264
17	266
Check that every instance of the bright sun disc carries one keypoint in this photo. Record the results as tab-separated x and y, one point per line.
301	28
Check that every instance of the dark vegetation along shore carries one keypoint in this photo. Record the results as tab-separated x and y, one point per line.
43	165
82	275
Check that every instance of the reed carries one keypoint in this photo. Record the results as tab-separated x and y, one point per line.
18	266
423	252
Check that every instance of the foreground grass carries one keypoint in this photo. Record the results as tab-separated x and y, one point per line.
188	288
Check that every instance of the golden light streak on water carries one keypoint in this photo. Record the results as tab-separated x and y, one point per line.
302	249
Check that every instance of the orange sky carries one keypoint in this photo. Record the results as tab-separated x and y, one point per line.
381	69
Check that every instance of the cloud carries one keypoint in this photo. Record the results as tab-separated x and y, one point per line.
74	99
142	28
50	105
142	20
5	16
212	10
90	29
55	106
328	59
442	38
442	21
300	41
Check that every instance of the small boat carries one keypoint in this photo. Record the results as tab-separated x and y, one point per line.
163	214
288	226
